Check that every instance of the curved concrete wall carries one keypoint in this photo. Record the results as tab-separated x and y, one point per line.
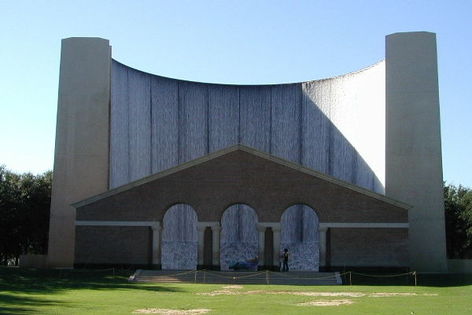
336	126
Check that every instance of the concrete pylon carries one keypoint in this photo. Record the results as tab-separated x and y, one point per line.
413	144
82	133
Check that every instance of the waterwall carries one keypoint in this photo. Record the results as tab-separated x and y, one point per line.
336	126
300	235
239	237
179	238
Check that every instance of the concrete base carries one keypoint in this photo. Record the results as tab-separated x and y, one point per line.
460	265
33	261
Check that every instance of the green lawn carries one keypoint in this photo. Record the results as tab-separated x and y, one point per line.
96	292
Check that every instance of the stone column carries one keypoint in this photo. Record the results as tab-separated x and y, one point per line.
215	229
156	243
276	231
261	229
201	237
322	245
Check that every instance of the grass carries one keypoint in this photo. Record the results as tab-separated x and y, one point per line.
100	292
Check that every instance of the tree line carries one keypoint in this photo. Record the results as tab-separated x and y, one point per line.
24	214
25	201
458	215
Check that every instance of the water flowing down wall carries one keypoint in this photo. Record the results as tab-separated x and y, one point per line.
239	236
335	126
300	235
179	238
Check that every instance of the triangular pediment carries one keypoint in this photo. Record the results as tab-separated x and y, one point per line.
241	174
250	151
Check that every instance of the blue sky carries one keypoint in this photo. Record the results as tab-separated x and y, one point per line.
250	42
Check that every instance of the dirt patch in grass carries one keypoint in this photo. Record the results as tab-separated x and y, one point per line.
165	311
222	292
231	290
326	303
237	287
324	294
386	294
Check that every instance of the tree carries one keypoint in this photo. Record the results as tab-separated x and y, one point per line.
458	215
24	214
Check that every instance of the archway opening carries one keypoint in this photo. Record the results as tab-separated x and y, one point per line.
239	237
300	235
179	238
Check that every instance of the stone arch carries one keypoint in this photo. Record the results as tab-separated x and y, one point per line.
179	238
239	237
300	235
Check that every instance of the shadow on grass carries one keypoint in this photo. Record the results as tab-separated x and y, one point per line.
444	280
52	281
422	279
11	304
15	283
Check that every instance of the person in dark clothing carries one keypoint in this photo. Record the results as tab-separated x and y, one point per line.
285	260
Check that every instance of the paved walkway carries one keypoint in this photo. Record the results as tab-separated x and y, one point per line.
228	277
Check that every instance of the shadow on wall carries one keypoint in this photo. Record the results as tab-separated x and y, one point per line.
338	157
158	123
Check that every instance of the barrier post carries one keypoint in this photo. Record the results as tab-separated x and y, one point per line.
195	279
416	281
350	277
267	276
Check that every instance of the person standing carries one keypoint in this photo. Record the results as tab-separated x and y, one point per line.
285	260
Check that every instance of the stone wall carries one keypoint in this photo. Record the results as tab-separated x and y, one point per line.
241	175
33	261
459	265
369	247
265	187
113	245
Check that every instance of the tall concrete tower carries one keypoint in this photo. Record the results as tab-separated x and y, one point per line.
82	132
413	144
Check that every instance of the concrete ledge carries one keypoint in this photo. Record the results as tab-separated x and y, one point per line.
459	265
33	261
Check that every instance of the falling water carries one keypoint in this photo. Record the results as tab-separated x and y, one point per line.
179	238
301	237
239	238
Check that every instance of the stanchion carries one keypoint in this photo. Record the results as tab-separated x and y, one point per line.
267	276
195	276
416	281
350	277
